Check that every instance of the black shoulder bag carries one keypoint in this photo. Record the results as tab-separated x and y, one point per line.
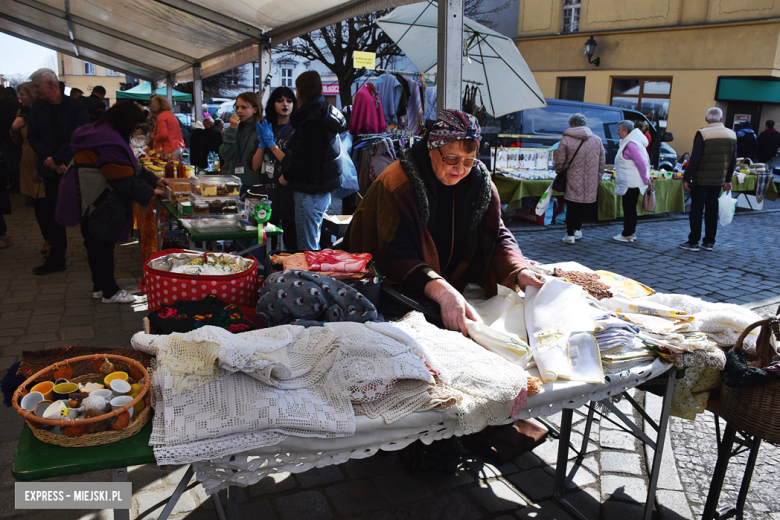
559	182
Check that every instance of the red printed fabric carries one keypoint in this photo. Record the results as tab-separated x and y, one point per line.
330	260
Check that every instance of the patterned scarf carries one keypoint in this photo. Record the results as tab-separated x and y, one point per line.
453	125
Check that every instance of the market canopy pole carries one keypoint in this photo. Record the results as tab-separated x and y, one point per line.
197	85
263	70
449	54
169	88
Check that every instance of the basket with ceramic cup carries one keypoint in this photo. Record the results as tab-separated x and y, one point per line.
106	404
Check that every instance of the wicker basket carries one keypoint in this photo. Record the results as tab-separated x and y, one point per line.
754	410
91	439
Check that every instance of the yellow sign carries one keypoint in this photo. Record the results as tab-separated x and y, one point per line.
363	60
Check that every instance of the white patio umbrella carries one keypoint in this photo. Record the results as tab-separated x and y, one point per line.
508	85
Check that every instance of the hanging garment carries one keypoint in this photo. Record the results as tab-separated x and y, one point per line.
390	95
431	112
414	118
403	104
367	113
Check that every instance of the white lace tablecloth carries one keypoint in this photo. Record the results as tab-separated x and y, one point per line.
296	455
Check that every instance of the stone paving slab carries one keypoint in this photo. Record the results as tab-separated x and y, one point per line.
57	310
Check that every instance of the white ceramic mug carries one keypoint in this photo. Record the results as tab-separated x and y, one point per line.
119	402
30	400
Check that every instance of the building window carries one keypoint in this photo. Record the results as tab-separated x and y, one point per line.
287	73
62	72
110	72
571	16
256	84
571	89
647	95
89	68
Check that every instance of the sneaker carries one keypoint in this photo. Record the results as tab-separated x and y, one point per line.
707	246
690	247
632	236
6	241
621	238
120	297
97	294
577	235
49	267
568	239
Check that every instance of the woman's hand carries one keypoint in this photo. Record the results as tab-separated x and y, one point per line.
454	308
18	123
163	182
527	277
282	181
234	121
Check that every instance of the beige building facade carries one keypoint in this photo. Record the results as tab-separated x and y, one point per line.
84	75
669	59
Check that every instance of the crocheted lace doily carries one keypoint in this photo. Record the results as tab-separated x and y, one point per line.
723	322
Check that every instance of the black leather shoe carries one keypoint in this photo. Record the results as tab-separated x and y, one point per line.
48	268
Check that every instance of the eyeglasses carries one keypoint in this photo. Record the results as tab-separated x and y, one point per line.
452	160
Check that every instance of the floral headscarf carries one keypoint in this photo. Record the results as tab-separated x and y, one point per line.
453	125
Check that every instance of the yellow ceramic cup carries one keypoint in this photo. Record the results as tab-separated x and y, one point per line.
115	375
62	390
46	388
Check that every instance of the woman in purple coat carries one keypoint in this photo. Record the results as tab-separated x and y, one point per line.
105	145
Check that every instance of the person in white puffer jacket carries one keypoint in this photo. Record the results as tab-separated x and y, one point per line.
632	175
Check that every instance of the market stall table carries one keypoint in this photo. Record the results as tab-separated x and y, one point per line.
749	186
194	235
669	195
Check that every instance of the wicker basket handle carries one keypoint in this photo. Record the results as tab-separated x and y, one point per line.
764	350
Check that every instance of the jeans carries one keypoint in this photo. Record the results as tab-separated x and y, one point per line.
57	236
575	214
11	158
704	199
100	256
629	211
308	218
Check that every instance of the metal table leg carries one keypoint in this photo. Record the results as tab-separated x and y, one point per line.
120	475
660	439
559	488
716	484
177	493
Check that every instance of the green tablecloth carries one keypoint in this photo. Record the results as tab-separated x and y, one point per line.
669	195
749	187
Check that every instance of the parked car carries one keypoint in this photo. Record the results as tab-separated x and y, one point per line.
667	158
211	108
543	127
226	110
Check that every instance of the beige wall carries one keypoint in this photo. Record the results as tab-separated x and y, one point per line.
540	17
73	76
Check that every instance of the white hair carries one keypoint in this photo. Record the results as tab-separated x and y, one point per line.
714	115
626	125
45	75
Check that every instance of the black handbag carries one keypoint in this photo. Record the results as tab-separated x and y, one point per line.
559	182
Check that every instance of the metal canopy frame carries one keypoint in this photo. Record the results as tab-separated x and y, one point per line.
155	39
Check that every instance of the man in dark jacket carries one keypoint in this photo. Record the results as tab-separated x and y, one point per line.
710	168
768	143
95	104
9	106
195	137
210	141
52	120
746	141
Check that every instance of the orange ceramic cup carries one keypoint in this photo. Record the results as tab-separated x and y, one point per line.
46	388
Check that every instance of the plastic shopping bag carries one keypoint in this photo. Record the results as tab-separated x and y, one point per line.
726	208
349	180
544	201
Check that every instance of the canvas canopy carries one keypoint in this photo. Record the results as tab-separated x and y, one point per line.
151	39
143	91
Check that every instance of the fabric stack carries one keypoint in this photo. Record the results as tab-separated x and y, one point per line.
218	393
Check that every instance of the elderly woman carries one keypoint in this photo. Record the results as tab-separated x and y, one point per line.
632	175
432	221
582	155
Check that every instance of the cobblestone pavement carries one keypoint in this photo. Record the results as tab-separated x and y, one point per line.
56	310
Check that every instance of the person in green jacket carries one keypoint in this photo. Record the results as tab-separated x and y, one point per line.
240	142
709	170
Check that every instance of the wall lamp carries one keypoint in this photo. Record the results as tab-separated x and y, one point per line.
590	48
